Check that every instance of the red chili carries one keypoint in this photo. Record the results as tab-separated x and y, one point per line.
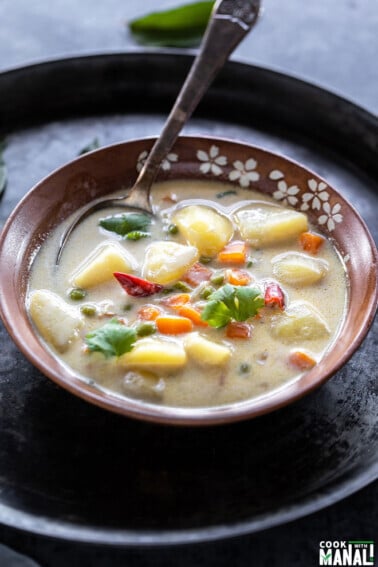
274	296
137	287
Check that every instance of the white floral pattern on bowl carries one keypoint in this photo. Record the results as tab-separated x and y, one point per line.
244	172
166	163
314	197
211	161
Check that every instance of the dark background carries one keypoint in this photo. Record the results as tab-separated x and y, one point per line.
333	43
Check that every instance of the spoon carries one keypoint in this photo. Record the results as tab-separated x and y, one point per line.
229	23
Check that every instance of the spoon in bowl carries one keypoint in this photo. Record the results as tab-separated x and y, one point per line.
229	23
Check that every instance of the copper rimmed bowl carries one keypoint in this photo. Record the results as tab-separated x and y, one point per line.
108	169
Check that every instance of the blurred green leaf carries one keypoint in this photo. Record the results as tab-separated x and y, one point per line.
178	27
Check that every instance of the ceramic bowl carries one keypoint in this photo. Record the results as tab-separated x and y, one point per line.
108	169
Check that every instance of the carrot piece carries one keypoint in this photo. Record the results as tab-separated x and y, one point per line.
197	274
193	314
238	330
233	253
149	312
311	242
172	325
238	277
301	360
176	301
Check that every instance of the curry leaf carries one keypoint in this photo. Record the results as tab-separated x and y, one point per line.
232	303
113	339
126	224
178	27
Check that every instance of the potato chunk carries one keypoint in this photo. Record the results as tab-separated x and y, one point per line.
155	355
101	264
143	385
205	352
204	228
300	322
165	262
57	321
298	269
265	226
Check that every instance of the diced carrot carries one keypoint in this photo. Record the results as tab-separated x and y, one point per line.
176	301
233	253
149	312
193	314
172	325
238	277
236	330
301	360
311	242
197	274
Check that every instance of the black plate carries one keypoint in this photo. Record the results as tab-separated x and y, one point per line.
74	471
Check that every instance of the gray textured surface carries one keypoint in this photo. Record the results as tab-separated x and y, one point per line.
333	43
330	42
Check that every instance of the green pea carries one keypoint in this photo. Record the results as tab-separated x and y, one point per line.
146	329
206	292
205	259
77	294
88	310
217	278
173	229
127	307
182	286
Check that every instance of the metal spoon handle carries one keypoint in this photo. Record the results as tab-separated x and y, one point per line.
230	21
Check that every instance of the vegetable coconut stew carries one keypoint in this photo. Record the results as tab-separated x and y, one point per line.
212	301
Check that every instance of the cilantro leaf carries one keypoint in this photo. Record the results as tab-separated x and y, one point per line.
126	223
248	301
113	339
229	303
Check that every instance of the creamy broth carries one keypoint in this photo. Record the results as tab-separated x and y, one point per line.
242	368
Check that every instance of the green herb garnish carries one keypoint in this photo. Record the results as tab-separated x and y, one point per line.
225	194
113	339
177	27
3	168
244	368
93	145
134	224
232	303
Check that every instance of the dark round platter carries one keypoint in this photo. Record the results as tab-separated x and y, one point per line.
73	471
